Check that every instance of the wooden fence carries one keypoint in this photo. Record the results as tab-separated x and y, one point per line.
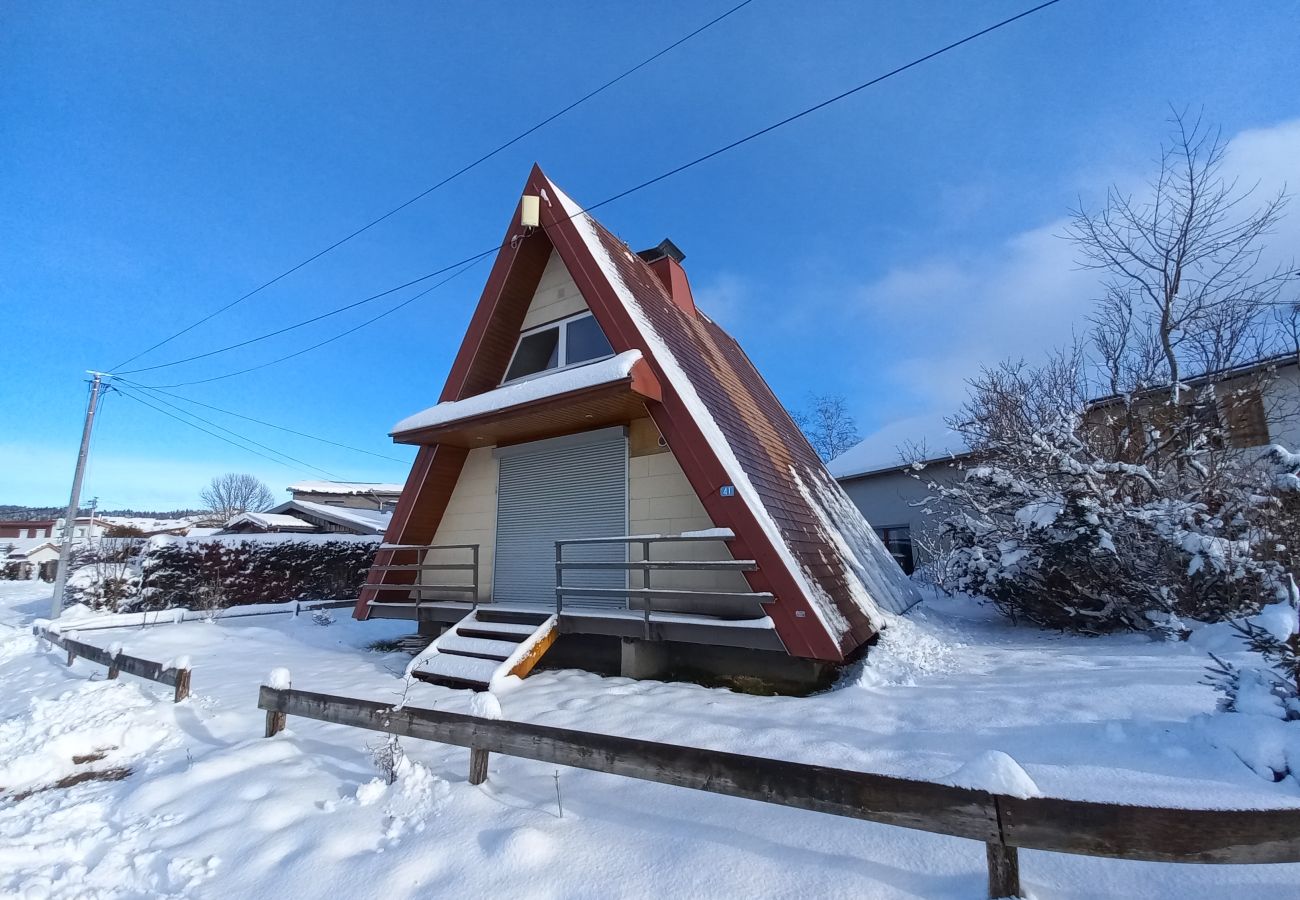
1003	823
120	662
177	615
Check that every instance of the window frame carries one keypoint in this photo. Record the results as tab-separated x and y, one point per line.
561	347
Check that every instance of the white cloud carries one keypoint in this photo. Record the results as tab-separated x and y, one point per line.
946	315
723	299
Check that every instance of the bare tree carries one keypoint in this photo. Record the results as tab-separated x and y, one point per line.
827	424
1184	288
231	494
1014	398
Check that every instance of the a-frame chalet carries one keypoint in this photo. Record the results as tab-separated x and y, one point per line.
599	432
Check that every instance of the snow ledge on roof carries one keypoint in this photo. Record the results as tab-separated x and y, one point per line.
345	487
616	368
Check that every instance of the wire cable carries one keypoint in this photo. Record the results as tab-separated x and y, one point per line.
136	397
314	319
429	190
228	412
342	334
621	194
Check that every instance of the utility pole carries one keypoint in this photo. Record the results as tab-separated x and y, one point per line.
70	519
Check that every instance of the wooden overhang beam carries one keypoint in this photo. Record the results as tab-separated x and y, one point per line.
596	406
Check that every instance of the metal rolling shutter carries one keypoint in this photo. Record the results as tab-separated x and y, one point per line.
572	487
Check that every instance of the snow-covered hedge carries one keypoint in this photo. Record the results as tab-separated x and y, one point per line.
215	574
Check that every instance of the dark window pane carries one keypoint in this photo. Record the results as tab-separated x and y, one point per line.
537	353
586	341
898	541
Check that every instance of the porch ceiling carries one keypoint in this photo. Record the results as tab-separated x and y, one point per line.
596	406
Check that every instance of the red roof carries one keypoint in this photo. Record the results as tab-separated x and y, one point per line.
829	573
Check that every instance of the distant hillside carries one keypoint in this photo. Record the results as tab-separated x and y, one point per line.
29	513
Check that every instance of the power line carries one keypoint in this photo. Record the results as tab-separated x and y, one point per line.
620	195
454	175
260	422
314	319
137	398
342	334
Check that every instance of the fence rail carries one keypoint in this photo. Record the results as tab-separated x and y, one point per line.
1003	823
178	678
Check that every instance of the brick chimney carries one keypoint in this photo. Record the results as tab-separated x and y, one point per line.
665	261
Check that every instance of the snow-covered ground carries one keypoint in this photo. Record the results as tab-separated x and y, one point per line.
211	809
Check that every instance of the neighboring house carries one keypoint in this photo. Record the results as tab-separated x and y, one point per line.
1256	404
310	518
337	519
26	558
888	492
591	400
267	523
353	494
22	528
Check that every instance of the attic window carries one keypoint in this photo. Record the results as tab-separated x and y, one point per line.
559	345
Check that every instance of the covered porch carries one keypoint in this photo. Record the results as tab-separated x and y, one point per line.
438	585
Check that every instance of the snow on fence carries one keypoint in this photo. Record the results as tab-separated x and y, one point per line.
1003	823
175	674
183	614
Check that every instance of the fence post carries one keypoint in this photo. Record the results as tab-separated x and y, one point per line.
278	681
182	685
71	656
1004	871
113	653
478	765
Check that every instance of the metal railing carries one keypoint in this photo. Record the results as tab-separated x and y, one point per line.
647	597
386	561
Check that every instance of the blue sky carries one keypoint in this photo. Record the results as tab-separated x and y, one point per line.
158	160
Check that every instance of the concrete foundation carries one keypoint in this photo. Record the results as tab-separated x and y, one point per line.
644	659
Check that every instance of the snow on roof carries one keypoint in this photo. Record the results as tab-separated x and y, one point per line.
344	487
883	450
868	571
616	368
371	520
270	520
19	548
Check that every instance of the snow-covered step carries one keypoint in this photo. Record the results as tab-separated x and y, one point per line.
476	623
457	643
460	668
480	647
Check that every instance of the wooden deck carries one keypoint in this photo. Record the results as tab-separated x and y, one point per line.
752	634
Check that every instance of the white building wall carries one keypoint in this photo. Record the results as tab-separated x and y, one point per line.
471	518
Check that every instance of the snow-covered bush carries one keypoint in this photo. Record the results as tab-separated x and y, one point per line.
1273	686
221	573
105	575
1258	716
1131	514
